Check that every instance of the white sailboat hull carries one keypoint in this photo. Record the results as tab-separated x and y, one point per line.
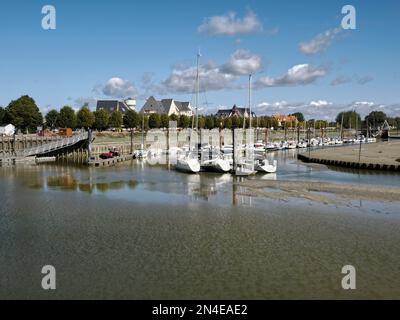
188	165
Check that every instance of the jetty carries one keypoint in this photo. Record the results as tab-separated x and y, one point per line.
97	162
375	156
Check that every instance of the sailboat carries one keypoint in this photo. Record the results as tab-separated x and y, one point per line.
189	162
141	153
246	167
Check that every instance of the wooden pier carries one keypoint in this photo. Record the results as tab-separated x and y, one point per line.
109	162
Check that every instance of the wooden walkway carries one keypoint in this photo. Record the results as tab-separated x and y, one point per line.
109	162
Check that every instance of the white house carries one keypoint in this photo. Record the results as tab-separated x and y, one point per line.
167	106
7	130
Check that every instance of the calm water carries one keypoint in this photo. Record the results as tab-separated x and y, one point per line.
145	232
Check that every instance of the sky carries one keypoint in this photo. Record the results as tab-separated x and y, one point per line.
300	57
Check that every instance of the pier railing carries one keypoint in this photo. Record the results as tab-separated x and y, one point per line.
52	146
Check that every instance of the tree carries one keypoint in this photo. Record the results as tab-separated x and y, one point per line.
299	116
131	119
376	118
235	122
52	118
164	121
85	118
228	123
102	119
209	122
202	122
184	121
2	114
154	121
67	118
143	121
24	114
350	119
116	119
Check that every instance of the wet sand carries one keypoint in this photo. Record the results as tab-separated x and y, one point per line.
324	192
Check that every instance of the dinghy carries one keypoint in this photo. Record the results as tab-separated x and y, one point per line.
265	167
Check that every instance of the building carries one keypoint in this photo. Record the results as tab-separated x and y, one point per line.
113	105
235	112
7	130
283	118
167	106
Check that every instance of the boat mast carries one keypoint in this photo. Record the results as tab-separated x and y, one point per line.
197	90
250	105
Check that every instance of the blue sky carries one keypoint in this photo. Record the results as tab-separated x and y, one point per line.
300	58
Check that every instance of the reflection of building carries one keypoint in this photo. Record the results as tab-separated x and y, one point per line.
235	112
115	105
283	118
167	106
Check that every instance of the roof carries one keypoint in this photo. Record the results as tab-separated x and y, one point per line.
235	110
112	105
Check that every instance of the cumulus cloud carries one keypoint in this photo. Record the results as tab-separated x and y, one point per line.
229	24
242	62
183	80
212	76
119	88
320	103
320	42
300	74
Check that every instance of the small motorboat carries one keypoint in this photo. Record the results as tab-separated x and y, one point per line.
265	167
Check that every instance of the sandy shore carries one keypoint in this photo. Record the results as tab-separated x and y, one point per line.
380	155
323	192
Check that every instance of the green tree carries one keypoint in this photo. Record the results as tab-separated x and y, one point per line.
350	119
235	122
52	118
85	118
184	121
164	121
154	121
299	116
209	123
131	119
102	119
116	120
2	114
202	122
228	123
143	121
376	118
24	114
67	118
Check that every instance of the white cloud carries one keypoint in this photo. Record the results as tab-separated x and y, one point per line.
320	103
229	24
212	76
242	62
119	88
320	42
300	74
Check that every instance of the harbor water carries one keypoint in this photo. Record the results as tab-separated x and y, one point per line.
136	231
